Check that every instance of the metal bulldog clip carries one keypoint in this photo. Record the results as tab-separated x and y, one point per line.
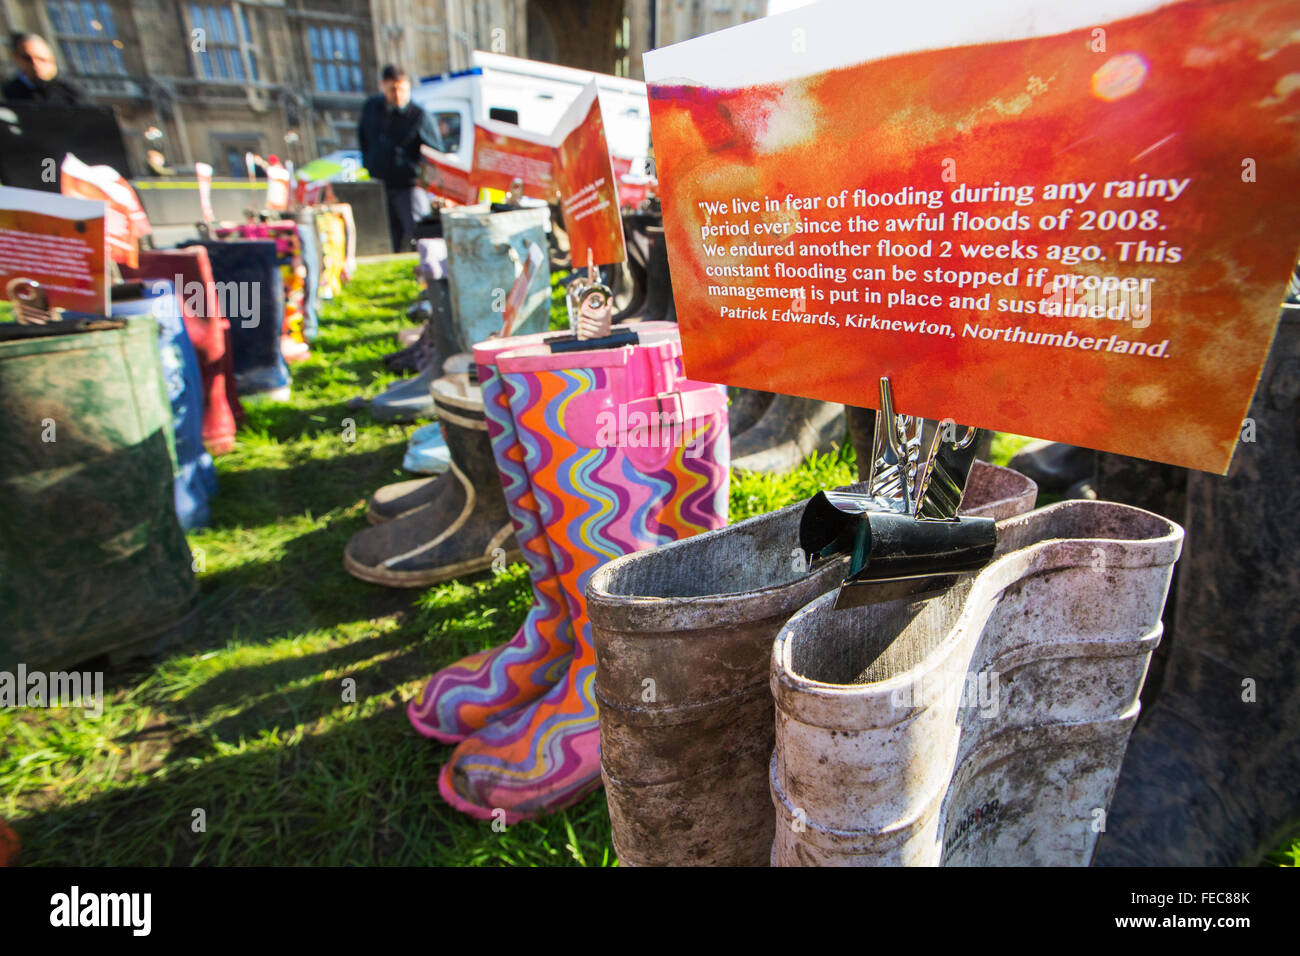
902	533
591	314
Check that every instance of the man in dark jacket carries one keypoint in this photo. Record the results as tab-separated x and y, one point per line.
390	133
37	78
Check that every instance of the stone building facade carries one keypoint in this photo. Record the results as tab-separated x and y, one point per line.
208	80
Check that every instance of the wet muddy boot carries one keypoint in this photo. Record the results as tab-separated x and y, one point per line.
789	430
87	496
1210	777
982	726
605	485
401	497
686	767
478	689
462	526
658	294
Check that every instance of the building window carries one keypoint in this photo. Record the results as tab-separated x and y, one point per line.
335	59
87	35
222	42
622	45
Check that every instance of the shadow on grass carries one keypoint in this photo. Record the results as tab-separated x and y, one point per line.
286	423
362	792
258	496
423	641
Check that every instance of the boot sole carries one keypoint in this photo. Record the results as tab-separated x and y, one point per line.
512	817
421	579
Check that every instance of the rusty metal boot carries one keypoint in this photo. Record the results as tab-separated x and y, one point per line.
683	637
462	526
982	726
788	431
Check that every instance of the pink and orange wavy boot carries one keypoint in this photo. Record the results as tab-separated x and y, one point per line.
465	697
621	454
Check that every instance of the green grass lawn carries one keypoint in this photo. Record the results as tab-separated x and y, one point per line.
250	723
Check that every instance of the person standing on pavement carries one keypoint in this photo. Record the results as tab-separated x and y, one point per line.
37	79
390	133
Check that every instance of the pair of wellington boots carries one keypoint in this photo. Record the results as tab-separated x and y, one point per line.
871	759
429	530
586	480
685	756
654	301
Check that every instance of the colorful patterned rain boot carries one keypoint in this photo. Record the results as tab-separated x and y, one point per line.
480	688
465	697
622	454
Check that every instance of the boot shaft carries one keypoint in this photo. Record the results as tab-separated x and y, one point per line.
699	616
607	483
485	253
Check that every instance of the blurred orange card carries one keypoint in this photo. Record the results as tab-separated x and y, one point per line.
58	241
1071	221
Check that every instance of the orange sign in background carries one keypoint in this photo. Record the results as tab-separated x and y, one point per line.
58	241
588	189
1082	236
125	222
503	154
446	179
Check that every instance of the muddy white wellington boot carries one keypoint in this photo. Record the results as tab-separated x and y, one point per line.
685	760
463	524
982	726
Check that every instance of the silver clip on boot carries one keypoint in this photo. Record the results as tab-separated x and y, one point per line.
903	534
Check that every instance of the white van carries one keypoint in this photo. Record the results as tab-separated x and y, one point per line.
533	96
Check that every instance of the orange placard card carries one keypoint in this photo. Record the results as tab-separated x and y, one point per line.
58	241
504	153
588	189
445	178
125	222
1071	221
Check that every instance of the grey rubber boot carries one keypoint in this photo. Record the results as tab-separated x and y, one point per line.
788	431
462	526
407	400
746	408
983	726
686	768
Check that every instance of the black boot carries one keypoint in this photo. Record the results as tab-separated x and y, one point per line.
462	526
1211	771
788	431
